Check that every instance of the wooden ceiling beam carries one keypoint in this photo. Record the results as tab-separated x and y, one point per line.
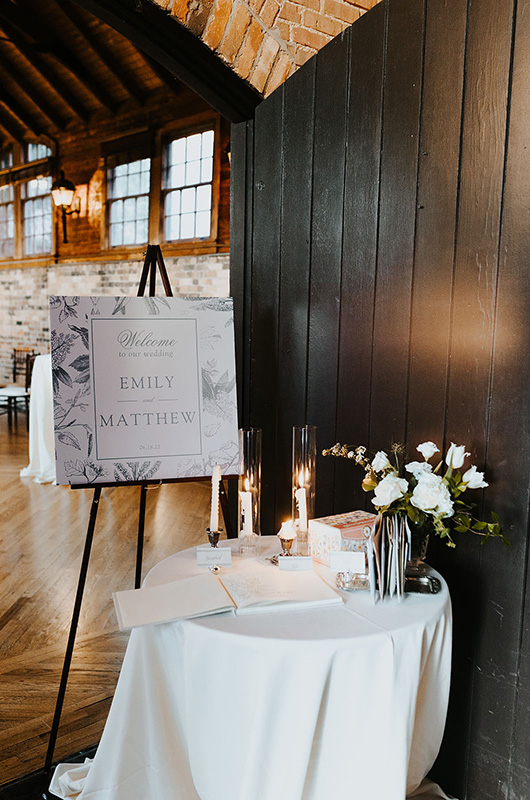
18	111
11	127
169	80
125	80
31	91
49	75
33	25
184	55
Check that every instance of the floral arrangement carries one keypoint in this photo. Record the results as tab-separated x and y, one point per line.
421	491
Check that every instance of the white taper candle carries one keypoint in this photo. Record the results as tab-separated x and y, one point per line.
214	513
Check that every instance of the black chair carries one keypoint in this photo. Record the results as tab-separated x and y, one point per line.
20	356
14	397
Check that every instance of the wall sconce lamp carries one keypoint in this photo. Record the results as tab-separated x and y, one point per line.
63	192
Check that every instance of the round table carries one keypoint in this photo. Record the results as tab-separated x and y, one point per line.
340	701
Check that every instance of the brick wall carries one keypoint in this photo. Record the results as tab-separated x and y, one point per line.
24	293
265	41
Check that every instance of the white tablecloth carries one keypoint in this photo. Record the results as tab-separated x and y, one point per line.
41	465
304	705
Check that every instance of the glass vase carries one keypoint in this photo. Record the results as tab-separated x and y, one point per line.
249	490
303	483
420	534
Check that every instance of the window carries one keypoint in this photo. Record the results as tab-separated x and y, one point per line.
188	175
26	214
34	152
37	216
128	202
7	211
163	186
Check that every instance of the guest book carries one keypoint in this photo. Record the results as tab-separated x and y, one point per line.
252	589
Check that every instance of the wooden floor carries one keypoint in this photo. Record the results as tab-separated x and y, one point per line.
42	533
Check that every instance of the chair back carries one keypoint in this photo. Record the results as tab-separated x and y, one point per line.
20	355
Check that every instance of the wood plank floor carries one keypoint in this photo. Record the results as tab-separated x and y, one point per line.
42	534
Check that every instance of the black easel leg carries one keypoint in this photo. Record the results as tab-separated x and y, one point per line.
226	513
73	628
140	545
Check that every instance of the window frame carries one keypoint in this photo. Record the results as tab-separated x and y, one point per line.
27	200
179	133
163	136
110	200
20	164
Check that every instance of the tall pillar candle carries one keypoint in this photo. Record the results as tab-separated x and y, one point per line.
303	482
249	487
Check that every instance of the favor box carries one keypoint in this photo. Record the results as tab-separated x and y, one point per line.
349	532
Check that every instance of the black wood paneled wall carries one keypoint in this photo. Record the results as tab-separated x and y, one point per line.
380	260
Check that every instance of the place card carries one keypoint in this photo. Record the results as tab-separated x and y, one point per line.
347	562
295	563
211	556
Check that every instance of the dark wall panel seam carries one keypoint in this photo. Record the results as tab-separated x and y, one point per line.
455	238
346	153
279	285
407	390
376	260
248	270
310	254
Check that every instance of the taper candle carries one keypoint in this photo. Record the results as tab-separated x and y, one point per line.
214	513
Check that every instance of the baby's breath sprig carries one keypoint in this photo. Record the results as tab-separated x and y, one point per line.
348	451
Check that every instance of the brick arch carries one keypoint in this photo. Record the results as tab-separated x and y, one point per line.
265	41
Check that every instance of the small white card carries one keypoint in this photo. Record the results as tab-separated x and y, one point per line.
347	562
295	563
208	556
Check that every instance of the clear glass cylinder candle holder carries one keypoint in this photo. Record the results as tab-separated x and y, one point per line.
249	490
303	483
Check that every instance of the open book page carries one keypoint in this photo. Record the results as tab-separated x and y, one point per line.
189	597
259	585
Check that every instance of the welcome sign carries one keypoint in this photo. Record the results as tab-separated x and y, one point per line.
144	388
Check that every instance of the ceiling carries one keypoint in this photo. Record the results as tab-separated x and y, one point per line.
62	67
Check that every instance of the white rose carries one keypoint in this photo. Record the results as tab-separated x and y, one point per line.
389	489
474	479
427	449
455	456
380	461
418	467
432	496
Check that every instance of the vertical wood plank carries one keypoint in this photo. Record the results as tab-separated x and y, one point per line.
361	199
241	185
326	253
294	277
507	613
445	39
264	310
401	104
439	156
473	313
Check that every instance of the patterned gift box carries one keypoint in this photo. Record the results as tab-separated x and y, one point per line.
349	532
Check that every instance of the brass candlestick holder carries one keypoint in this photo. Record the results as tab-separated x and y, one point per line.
286	546
285	541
